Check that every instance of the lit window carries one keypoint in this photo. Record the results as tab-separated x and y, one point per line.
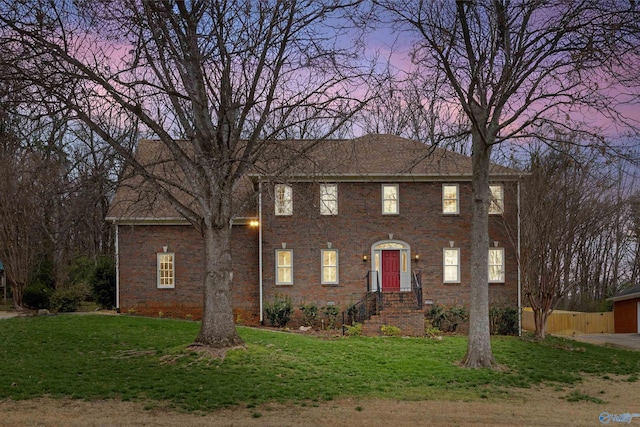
390	199
496	207
451	265
284	199
284	267
166	270
329	199
450	199
329	267
496	265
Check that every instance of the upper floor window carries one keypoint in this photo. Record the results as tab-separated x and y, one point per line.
496	265
284	199
451	265
284	267
329	267
329	199
450	199
166	270
496	207
390	199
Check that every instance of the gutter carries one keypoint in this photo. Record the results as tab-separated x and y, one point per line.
260	251
519	269
117	256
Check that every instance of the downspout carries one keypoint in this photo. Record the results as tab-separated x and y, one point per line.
260	248
117	256
519	271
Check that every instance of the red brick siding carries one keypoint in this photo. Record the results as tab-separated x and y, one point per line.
360	223
625	316
138	246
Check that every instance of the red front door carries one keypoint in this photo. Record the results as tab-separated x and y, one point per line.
391	271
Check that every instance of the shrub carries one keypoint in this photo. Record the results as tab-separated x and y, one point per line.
331	313
67	300
431	331
37	296
309	314
103	283
279	311
503	320
354	330
447	319
390	331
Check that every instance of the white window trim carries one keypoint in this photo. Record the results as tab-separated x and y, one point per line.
397	187
444	265
278	282
457	211
502	269
323	281
159	270
328	206
497	202
281	208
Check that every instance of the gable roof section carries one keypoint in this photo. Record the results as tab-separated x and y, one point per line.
381	157
368	158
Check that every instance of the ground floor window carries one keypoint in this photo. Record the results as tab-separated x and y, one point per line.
451	265
166	270
496	265
284	267
329	267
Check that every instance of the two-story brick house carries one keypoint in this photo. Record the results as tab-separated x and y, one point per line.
377	212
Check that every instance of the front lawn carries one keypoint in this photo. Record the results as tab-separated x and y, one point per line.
132	358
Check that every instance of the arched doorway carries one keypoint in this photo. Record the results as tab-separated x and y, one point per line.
391	266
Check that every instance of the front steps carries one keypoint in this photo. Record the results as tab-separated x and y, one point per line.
400	310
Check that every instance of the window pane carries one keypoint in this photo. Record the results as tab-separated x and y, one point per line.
497	199
283	202
329	258
329	275
329	266
284	267
450	199
166	272
389	199
329	199
496	265
451	262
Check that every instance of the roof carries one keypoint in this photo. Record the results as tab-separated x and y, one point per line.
371	158
630	293
379	156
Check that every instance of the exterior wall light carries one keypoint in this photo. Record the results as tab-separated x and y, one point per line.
254	223
364	258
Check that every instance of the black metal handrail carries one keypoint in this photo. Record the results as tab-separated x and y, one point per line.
416	287
368	306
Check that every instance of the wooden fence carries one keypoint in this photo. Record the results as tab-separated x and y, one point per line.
571	322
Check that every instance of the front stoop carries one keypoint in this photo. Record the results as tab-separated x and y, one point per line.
399	309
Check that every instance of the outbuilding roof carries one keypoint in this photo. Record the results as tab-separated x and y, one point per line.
630	293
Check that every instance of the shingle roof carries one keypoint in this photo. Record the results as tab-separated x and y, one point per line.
384	156
371	157
633	292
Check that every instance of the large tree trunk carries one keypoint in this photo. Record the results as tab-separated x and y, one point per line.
217	328
479	353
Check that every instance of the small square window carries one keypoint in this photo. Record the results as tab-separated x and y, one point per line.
496	265
450	199
329	267
284	267
166	270
451	265
284	200
329	199
496	206
390	199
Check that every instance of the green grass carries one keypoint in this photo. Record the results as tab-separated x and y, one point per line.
132	358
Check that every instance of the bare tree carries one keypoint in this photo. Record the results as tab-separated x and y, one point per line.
217	82
570	243
518	69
